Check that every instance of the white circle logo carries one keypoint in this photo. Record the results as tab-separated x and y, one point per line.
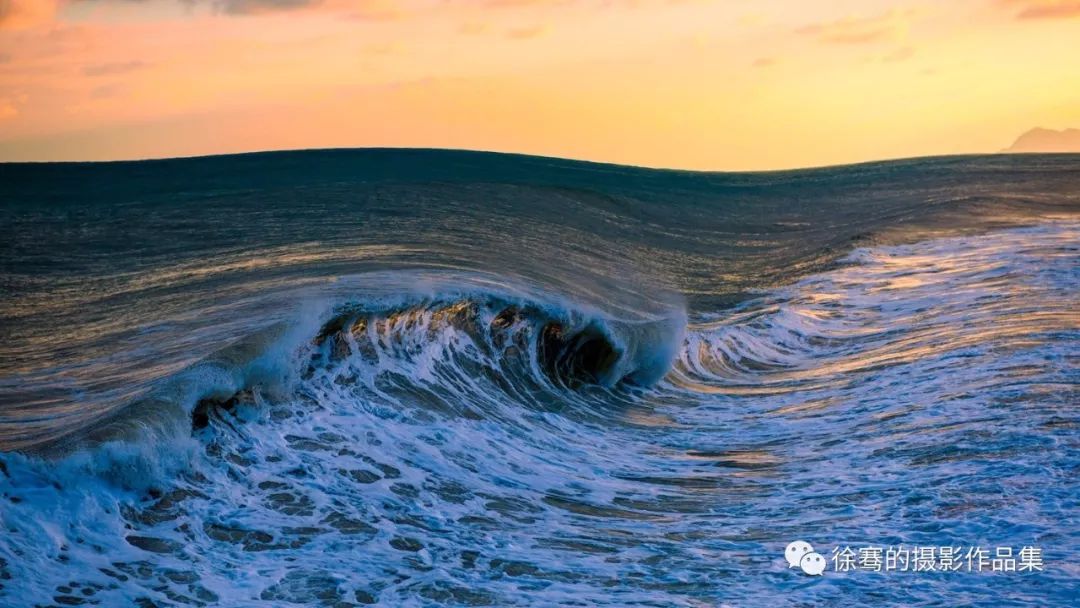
795	552
813	564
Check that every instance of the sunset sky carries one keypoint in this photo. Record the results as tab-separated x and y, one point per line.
697	84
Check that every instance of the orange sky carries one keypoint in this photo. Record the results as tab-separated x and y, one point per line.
699	84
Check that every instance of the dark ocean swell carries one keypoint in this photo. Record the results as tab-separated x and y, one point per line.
416	377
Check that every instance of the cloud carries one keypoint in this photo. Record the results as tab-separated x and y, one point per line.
109	69
574	3
7	110
105	91
375	11
859	30
365	10
900	54
524	33
255	7
473	28
387	48
764	62
525	3
356	10
1045	9
23	14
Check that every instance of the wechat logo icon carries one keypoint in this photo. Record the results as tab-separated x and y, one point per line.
800	554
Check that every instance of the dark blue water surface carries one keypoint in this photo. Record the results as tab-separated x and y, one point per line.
427	378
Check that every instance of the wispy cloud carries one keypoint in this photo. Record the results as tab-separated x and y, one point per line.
859	30
376	11
1044	9
7	110
473	28
524	33
106	91
20	14
525	3
254	7
109	69
900	54
386	48
28	13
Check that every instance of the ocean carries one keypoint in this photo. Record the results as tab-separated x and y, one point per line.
445	378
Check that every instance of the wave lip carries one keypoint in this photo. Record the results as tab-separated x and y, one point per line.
552	342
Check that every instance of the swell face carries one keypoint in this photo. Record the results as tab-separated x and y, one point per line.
458	422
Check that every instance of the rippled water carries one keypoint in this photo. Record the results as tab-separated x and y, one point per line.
555	432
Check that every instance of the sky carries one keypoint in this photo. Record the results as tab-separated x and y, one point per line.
692	84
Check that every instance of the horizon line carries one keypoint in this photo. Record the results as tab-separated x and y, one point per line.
153	159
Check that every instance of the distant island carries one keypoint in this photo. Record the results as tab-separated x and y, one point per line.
1047	140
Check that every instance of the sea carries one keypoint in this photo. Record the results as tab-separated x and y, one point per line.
411	377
